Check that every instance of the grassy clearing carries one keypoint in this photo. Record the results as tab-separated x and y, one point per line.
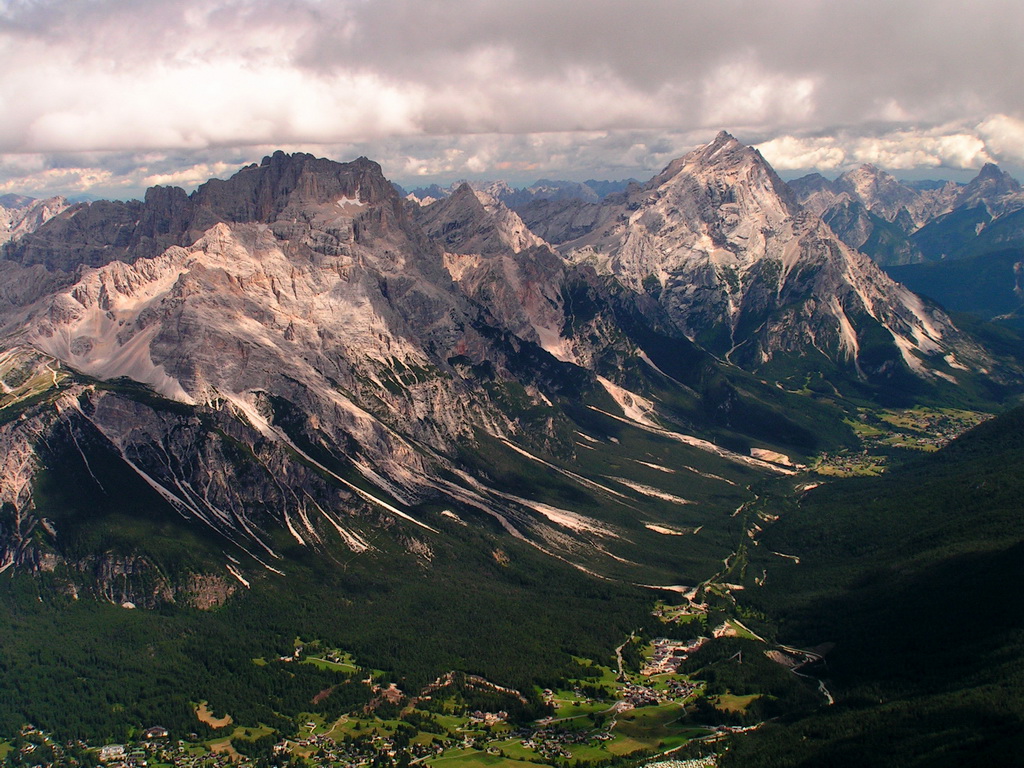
565	709
330	665
347	725
667	740
607	674
312	724
354	726
626	745
590	752
649	723
742	631
452	722
206	716
680	615
223	747
251	734
728	702
514	749
864	430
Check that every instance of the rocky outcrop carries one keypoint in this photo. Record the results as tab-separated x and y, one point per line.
206	591
558	221
469	221
880	193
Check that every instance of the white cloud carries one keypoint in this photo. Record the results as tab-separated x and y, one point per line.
787	153
66	181
189	177
1004	135
942	147
460	86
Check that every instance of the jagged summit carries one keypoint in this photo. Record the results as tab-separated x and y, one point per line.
880	192
989	171
736	172
20	215
12	201
284	191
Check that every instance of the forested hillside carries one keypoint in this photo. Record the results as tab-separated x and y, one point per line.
908	584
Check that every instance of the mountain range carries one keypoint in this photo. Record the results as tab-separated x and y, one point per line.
310	307
207	395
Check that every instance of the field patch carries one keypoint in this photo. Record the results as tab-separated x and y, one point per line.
205	715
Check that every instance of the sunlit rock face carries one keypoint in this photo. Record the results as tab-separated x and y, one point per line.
749	273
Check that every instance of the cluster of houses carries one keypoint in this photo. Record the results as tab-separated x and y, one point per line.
549	742
487	718
634	696
554	744
154	746
638	696
681	689
324	750
668	654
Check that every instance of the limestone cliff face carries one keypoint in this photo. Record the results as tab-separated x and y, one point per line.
497	262
71	436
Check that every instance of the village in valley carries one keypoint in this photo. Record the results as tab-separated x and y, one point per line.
882	432
641	707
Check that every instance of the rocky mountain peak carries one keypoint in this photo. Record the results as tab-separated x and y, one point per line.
993	188
815	192
472	221
723	153
812	181
12	201
721	177
990	171
728	176
748	273
886	196
874	186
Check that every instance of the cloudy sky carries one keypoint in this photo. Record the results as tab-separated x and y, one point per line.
106	97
